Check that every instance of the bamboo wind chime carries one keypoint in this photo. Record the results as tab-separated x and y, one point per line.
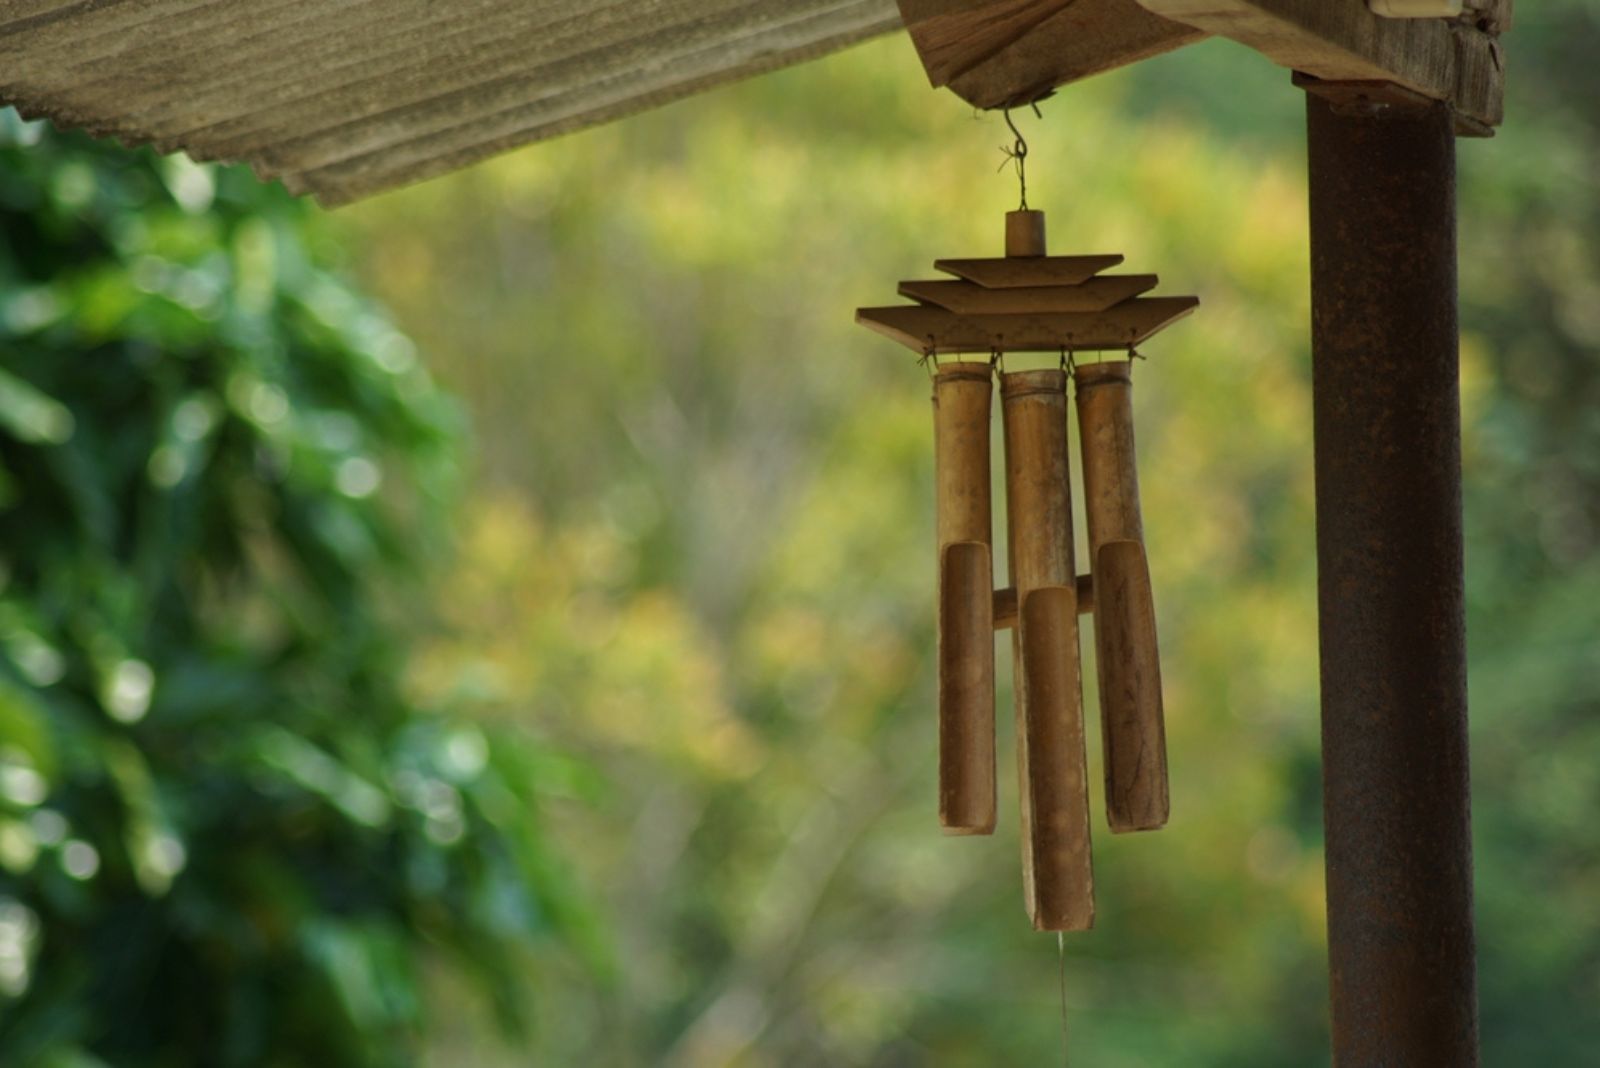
1028	301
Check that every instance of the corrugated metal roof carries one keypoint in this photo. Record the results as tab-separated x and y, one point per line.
344	98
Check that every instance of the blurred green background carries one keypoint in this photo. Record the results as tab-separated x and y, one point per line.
539	671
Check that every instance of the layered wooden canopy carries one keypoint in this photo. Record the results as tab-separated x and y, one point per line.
1026	301
344	98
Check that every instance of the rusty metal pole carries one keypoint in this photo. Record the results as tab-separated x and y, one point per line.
1389	579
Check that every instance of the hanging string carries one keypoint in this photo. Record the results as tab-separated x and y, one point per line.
929	362
1017	154
1061	953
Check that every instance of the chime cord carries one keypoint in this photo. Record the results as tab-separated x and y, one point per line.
1017	154
1061	953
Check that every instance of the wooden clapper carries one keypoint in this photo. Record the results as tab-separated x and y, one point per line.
1028	301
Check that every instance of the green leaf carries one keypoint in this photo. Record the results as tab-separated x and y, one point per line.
31	416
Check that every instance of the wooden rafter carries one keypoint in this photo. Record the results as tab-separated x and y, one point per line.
1343	41
1003	53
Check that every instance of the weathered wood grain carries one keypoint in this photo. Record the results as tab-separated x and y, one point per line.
953	36
342	98
1416	9
1082	39
1491	16
1342	40
1003	53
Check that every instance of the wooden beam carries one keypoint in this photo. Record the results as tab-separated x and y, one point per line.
1084	38
1005	53
1491	16
1343	41
953	36
1416	9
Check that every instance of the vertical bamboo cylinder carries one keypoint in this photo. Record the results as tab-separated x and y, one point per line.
1127	660
1058	876
961	406
1025	233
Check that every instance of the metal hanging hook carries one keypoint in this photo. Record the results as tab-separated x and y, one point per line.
1017	153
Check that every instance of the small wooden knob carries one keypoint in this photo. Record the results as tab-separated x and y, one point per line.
1025	233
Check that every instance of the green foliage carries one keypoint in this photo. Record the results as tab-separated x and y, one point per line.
1531	260
228	835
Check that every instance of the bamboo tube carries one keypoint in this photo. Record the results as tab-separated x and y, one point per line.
1126	656
1058	789
1058	877
1025	233
961	404
1005	603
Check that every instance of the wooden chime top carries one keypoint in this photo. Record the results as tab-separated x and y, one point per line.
1026	301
